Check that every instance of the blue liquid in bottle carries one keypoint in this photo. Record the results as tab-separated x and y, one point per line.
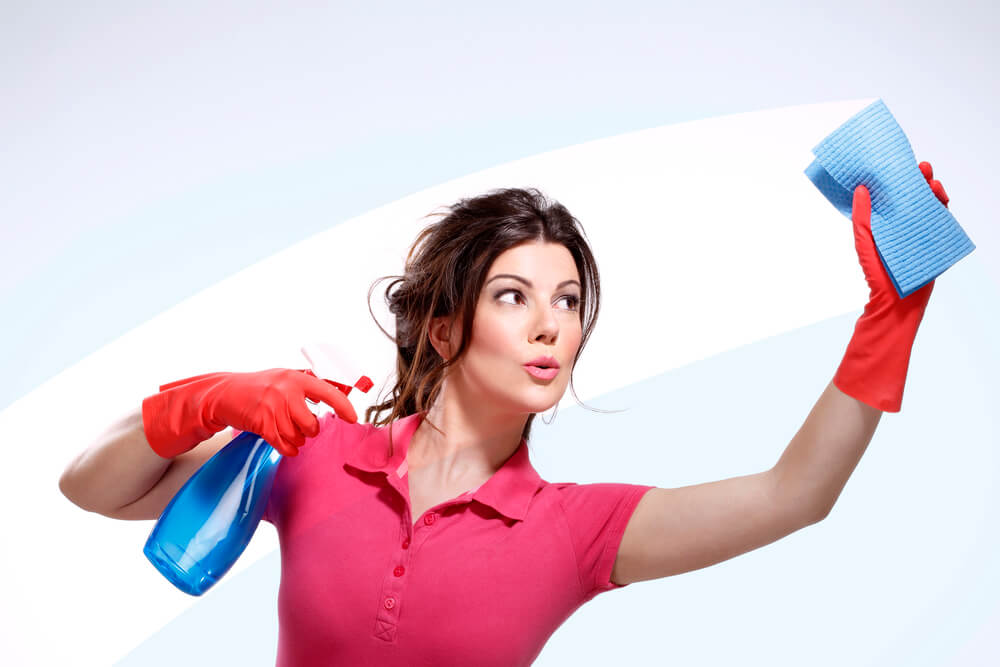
210	521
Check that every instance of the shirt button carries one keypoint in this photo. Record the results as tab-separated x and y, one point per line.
428	519
390	603
406	543
399	571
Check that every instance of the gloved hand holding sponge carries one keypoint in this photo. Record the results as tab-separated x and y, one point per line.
270	403
904	235
874	366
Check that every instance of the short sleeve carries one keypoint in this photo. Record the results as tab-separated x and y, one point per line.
597	515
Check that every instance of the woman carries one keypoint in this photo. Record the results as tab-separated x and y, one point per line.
425	536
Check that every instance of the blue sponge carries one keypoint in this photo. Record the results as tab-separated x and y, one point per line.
917	238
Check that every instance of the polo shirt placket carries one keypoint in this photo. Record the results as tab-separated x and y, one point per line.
412	536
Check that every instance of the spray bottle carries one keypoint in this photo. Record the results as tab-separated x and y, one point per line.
210	521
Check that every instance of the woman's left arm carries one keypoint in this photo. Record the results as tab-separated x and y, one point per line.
817	463
672	531
869	380
678	530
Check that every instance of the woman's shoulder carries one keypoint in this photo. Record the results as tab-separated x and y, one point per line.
334	435
584	498
333	427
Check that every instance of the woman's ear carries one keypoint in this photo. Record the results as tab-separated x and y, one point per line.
444	335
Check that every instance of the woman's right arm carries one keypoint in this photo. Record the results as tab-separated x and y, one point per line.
133	469
121	477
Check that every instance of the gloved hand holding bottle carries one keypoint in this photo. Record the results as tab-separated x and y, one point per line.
875	364
212	518
270	403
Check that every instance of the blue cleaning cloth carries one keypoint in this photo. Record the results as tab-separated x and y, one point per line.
917	238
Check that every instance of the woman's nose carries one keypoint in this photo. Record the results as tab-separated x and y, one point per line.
546	326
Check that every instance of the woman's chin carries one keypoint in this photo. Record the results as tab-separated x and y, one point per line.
541	408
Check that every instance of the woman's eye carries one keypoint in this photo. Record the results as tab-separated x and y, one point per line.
573	302
510	291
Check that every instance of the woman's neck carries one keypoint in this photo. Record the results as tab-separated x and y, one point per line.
475	442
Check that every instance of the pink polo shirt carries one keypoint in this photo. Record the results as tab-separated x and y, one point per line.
482	579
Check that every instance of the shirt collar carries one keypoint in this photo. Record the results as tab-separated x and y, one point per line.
509	490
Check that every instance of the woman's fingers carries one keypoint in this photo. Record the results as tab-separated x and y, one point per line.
303	418
861	207
321	390
289	436
939	192
292	422
928	171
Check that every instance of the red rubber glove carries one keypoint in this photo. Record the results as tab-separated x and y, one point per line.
874	367
269	403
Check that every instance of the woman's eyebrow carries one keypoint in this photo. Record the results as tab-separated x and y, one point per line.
528	282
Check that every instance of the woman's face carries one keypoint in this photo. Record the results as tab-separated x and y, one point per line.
529	307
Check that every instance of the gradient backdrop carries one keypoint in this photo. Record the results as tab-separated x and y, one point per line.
191	188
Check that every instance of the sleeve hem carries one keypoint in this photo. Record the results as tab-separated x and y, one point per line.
619	523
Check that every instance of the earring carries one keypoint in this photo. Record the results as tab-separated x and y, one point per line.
554	411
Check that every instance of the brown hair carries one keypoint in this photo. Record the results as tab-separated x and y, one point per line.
444	273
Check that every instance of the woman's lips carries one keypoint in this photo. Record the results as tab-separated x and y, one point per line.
542	373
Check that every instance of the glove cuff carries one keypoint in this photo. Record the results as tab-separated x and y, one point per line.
173	421
877	358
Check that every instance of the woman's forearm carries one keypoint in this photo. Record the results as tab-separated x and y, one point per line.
816	465
118	468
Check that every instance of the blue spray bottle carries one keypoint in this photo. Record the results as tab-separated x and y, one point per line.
210	521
